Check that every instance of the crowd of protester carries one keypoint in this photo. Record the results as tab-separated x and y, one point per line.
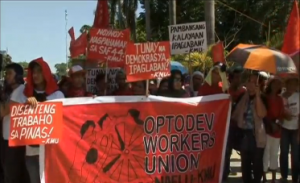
264	118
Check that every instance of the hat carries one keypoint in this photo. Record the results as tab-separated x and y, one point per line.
76	69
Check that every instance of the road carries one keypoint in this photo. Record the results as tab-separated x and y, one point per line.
236	167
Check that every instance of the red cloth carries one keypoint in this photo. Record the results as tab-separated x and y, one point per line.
206	89
101	19
78	46
51	85
218	53
275	111
72	33
235	94
72	93
291	42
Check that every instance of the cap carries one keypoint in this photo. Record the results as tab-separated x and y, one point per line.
76	69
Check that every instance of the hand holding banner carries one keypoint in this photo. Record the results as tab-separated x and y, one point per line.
40	125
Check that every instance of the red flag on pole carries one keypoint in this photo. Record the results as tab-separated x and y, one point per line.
78	46
101	19
218	53
72	33
291	42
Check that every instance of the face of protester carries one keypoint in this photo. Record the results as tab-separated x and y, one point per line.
10	75
236	79
121	80
292	85
197	81
276	85
216	78
177	83
139	88
77	80
251	84
164	86
37	75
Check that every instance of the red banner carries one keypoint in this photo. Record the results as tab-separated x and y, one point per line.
114	141
147	61
78	46
108	45
101	19
40	125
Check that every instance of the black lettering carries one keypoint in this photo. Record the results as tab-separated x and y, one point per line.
205	140
210	121
179	119
183	165
174	144
150	170
149	125
163	143
169	118
160	121
200	122
150	143
190	123
163	164
195	139
184	142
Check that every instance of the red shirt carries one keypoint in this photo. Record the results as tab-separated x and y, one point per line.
127	92
275	111
206	89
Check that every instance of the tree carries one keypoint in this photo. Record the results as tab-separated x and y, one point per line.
24	64
61	69
250	18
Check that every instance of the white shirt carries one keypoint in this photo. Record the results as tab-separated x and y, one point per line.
34	151
292	104
18	97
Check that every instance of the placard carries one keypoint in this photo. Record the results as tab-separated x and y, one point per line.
92	73
108	45
39	125
188	38
147	61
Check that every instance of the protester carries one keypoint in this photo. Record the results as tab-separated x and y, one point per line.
275	113
211	85
236	91
163	85
196	83
153	86
101	87
40	87
175	86
12	157
123	87
289	133
64	84
139	88
77	82
249	113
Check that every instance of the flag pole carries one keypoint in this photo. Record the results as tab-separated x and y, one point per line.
66	31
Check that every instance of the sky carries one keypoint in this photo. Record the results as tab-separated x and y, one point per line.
33	29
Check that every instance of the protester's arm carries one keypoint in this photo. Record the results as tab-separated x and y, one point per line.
260	107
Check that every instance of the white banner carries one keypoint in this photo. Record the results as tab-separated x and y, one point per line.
92	73
188	38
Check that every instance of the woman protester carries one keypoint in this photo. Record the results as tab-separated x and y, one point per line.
248	115
40	87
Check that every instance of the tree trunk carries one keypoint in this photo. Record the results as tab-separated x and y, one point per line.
210	21
172	12
148	19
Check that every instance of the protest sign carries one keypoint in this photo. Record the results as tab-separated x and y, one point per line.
147	61
39	125
140	139
187	38
108	45
93	72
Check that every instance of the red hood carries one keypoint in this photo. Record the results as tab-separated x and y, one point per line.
51	85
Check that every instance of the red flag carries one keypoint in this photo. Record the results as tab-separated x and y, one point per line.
72	33
291	42
78	46
102	15
218	53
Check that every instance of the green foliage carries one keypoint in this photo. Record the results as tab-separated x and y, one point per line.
25	67
61	69
248	26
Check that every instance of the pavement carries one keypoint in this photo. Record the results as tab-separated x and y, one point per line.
235	164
